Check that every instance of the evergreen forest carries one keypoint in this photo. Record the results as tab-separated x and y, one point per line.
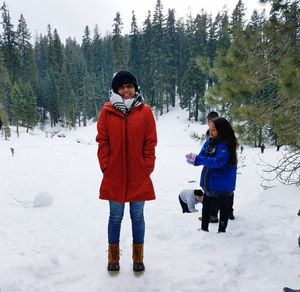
248	70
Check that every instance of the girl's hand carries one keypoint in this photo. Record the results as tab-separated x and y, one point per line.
190	158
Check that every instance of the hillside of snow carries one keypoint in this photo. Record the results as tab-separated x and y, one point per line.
53	227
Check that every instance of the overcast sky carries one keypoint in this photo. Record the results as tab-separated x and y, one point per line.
70	17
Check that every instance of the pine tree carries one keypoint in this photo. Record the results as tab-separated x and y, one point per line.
50	47
134	61
5	91
41	61
41	55
5	99
100	88
107	73
8	44
30	107
58	54
281	33
159	57
200	46
97	52
258	76
26	70
223	39
195	79
5	129
237	19
283	51
236	72
182	55
171	53
55	73
119	61
87	49
18	106
66	102
193	88
23	47
77	70
51	89
147	61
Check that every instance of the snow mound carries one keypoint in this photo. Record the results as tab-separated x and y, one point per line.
42	199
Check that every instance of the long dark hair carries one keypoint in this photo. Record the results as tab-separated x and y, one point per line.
227	136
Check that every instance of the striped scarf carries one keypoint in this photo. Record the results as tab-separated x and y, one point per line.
118	102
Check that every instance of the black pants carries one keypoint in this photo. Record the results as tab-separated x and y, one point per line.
231	199
184	206
214	208
224	203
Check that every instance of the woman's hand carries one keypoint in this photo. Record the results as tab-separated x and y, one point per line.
190	158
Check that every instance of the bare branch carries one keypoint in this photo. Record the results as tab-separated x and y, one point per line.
287	169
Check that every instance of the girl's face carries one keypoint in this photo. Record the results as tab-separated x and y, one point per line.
127	91
213	133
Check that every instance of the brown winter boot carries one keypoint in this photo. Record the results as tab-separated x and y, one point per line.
138	257
113	257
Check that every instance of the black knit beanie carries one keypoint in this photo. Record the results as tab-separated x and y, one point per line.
198	193
123	77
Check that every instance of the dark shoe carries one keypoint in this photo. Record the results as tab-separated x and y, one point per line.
231	217
138	257
113	257
212	219
113	267
221	231
286	289
138	267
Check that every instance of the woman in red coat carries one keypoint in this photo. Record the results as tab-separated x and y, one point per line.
126	153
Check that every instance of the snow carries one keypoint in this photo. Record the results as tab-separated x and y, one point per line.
61	246
42	199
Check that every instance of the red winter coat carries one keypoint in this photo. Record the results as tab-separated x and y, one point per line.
126	153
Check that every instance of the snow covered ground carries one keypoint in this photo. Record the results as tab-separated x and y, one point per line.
53	228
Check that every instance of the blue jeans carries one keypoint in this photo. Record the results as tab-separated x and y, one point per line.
116	212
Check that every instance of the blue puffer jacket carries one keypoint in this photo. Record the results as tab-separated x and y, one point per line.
217	174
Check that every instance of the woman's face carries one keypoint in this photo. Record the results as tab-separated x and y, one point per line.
213	133
127	91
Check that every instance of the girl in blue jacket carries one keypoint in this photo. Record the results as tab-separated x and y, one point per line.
218	177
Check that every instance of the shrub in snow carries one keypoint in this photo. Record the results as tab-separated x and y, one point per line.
42	200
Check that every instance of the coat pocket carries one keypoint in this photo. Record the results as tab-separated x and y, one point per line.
143	165
136	170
